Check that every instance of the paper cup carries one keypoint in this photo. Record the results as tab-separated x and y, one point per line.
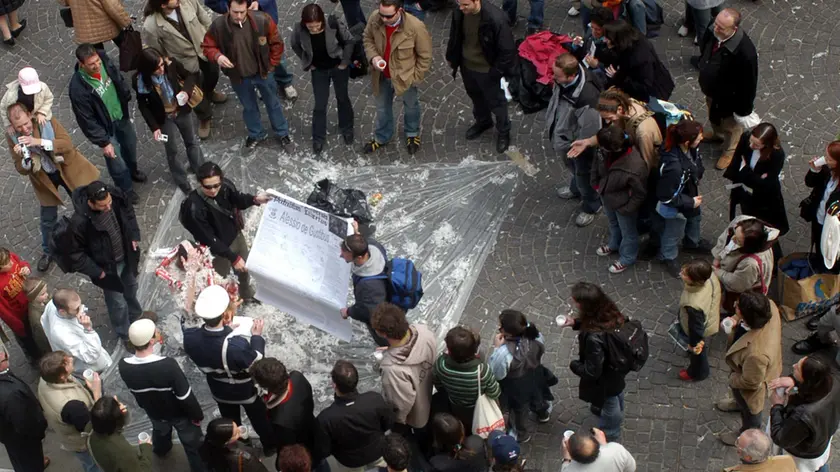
727	324
243	432
182	99
143	437
568	433
560	320
820	161
780	391
381	64
88	375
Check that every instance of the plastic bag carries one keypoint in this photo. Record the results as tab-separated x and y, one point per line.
340	202
487	416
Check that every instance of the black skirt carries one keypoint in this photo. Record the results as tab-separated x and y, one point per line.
8	6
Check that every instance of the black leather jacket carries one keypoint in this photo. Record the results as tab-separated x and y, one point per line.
805	430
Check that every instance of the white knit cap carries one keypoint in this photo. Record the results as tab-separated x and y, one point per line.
141	332
212	302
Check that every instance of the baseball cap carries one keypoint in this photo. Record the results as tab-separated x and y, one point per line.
96	191
504	447
212	302
141	332
29	81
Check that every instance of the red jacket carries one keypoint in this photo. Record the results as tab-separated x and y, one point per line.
218	41
14	306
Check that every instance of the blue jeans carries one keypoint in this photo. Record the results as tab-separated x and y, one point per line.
353	13
123	308
124	164
535	17
246	92
624	236
635	10
189	434
671	230
281	75
385	111
88	464
580	184
414	9
612	415
702	19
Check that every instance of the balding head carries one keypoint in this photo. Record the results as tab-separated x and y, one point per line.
583	448
727	23
754	447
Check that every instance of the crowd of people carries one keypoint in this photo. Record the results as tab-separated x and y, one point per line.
629	152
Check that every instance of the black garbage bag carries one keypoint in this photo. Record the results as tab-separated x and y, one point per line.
339	201
531	95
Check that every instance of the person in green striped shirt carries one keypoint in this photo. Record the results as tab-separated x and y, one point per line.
457	371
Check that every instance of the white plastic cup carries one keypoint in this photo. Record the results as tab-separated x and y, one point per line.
144	437
381	64
182	98
568	434
378	356
88	375
560	320
780	391
243	432
727	324
820	161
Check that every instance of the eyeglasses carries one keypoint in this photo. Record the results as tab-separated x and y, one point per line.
388	17
212	187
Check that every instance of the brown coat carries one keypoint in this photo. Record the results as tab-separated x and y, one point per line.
160	34
97	21
755	360
411	51
774	464
76	170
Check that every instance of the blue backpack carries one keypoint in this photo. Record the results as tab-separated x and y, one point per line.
405	285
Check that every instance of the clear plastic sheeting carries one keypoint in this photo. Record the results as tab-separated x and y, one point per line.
443	217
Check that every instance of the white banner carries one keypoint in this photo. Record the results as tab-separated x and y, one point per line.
295	260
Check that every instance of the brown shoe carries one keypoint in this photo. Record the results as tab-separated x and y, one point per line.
204	129
727	405
218	97
729	438
723	162
710	136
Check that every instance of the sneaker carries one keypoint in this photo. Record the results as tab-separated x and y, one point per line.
524	439
683	31
617	268
286	143
573	11
566	193
477	129
44	263
412	144
727	405
545	417
672	267
729	438
251	143
585	219
604	250
290	92
371	146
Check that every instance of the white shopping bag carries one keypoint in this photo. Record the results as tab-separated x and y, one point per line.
750	121
487	416
506	87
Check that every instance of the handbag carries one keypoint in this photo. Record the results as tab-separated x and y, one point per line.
131	45
66	16
487	416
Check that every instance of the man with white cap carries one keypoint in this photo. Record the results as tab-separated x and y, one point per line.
226	359
162	390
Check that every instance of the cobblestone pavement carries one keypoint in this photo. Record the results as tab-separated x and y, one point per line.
540	253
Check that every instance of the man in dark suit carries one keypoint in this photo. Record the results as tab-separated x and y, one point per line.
22	423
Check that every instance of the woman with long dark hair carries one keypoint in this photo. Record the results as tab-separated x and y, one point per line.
166	95
516	362
637	70
223	452
677	214
454	451
755	170
600	385
823	180
804	418
325	47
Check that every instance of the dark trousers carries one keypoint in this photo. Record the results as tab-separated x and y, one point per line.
209	79
183	124
27	343
188	433
487	96
26	456
748	420
117	41
698	364
353	12
321	89
258	414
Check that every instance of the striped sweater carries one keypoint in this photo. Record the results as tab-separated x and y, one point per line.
460	380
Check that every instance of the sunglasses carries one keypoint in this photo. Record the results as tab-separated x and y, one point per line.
212	187
388	17
99	195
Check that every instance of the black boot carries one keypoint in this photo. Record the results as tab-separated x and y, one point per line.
809	345
812	323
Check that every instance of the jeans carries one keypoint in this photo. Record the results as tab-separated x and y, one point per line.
353	13
748	420
257	414
189	434
282	76
223	266
671	230
321	89
124	163
580	184
88	464
184	125
624	236
246	92
612	415
488	99
702	19
535	18
385	111
209	80
123	308
637	15
49	215
414	9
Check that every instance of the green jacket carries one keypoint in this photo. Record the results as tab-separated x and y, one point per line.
114	454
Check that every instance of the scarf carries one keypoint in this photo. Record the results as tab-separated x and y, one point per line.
166	92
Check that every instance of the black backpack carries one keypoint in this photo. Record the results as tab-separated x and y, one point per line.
627	347
61	243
